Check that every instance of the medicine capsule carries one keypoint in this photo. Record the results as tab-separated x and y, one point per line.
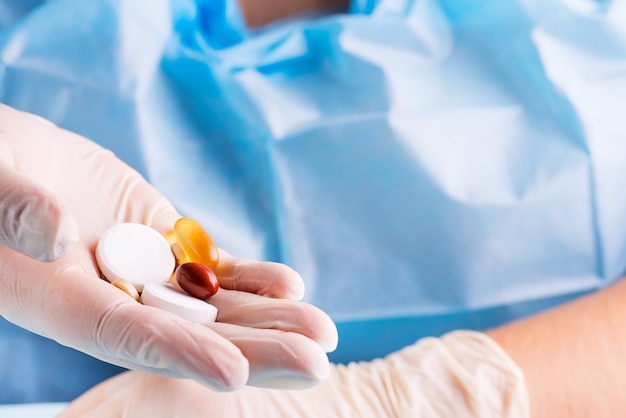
196	244
127	287
179	254
170	237
197	279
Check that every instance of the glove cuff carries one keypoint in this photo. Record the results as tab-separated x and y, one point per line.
461	374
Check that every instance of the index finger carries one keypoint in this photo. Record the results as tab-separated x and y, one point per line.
264	278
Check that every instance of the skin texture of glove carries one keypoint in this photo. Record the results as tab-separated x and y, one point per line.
58	193
462	374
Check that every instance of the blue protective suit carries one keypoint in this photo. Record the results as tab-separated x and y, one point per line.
425	165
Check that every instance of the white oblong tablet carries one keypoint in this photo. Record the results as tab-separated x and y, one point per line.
135	252
167	297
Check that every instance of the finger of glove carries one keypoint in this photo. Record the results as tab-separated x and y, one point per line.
84	312
138	394
32	220
106	399
278	359
270	279
255	311
108	190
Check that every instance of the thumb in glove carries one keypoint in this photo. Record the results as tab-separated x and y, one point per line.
32	220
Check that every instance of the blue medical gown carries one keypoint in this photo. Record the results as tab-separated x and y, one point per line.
425	165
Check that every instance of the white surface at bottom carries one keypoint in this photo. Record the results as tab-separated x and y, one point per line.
31	410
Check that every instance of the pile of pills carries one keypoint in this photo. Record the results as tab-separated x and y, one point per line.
140	261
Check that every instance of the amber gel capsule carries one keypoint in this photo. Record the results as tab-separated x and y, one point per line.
196	244
197	280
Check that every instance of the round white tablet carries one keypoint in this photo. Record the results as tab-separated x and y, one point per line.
167	297
135	252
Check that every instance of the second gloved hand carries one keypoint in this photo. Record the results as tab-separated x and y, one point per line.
58	193
463	374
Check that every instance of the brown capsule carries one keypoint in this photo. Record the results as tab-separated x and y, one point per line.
197	279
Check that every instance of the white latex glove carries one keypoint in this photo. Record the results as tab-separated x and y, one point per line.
58	193
463	374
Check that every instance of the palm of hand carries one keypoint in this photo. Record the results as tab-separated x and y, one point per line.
67	301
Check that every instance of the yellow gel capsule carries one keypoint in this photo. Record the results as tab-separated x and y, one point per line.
196	244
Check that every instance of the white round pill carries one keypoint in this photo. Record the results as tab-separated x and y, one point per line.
167	297
135	252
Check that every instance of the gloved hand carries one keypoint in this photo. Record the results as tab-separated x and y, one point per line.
463	374
58	193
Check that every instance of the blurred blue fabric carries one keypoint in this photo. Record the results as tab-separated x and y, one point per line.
425	165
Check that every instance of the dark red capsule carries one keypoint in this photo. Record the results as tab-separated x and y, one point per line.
197	279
